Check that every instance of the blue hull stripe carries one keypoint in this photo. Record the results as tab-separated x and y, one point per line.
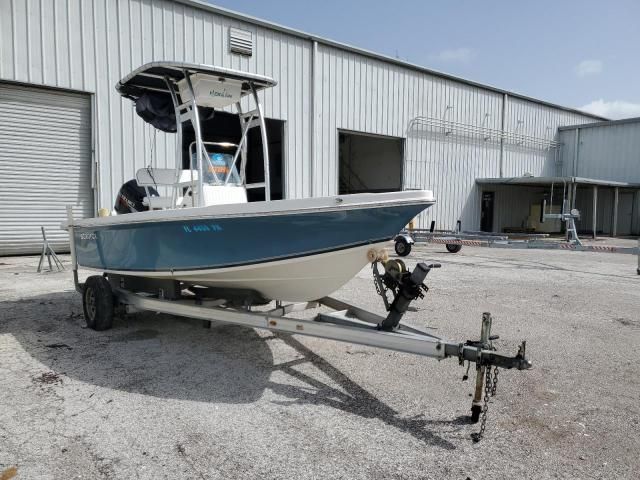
235	241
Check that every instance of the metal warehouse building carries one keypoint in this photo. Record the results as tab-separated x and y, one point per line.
341	120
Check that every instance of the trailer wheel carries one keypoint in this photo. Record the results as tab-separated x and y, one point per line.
452	248
97	303
403	248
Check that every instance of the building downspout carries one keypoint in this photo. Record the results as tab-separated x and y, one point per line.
505	97
594	219
635	226
616	200
95	156
312	122
576	155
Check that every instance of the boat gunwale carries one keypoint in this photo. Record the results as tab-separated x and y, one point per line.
213	211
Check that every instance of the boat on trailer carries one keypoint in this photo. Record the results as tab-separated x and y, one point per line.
186	241
204	231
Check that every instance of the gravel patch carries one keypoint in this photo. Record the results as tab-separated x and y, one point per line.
162	397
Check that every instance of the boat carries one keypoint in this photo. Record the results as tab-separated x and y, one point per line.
193	224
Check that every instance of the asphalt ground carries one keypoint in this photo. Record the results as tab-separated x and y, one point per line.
163	397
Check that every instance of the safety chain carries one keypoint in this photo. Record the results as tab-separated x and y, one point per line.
490	386
494	386
381	289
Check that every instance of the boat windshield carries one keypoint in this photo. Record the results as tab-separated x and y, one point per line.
219	169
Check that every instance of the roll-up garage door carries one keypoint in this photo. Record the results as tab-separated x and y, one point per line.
45	164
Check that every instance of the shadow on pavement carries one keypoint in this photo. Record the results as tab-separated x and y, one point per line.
171	357
356	400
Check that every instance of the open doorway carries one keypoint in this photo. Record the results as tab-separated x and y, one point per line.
225	127
625	214
255	169
486	211
369	163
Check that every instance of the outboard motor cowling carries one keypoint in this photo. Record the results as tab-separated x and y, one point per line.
130	198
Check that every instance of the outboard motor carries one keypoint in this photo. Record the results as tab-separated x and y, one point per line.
130	197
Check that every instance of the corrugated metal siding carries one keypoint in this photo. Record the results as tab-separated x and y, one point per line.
540	121
90	45
607	152
567	139
45	164
93	43
362	94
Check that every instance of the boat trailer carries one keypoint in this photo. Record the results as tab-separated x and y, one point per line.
454	241
108	295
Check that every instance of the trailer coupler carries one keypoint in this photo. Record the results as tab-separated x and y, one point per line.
471	352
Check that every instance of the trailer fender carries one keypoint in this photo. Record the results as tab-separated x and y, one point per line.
406	237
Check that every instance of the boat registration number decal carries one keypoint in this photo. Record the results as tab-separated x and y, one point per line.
203	227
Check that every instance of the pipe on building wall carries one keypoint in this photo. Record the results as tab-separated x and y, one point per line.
616	199
635	218
95	166
505	97
595	210
576	155
312	120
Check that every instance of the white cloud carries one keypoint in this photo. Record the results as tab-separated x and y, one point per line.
615	109
589	67
460	55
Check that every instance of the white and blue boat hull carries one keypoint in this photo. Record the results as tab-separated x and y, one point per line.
294	250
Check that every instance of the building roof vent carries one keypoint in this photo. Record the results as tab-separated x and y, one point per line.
240	41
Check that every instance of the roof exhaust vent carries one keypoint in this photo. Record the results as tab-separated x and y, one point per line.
240	41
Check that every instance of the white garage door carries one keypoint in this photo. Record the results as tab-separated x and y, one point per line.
45	164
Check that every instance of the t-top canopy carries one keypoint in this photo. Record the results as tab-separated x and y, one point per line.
151	78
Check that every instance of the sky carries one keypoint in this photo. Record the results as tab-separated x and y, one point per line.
581	54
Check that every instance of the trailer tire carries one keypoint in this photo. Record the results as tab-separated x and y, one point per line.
97	303
402	247
453	248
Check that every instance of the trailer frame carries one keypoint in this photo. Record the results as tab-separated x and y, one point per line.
455	240
119	294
